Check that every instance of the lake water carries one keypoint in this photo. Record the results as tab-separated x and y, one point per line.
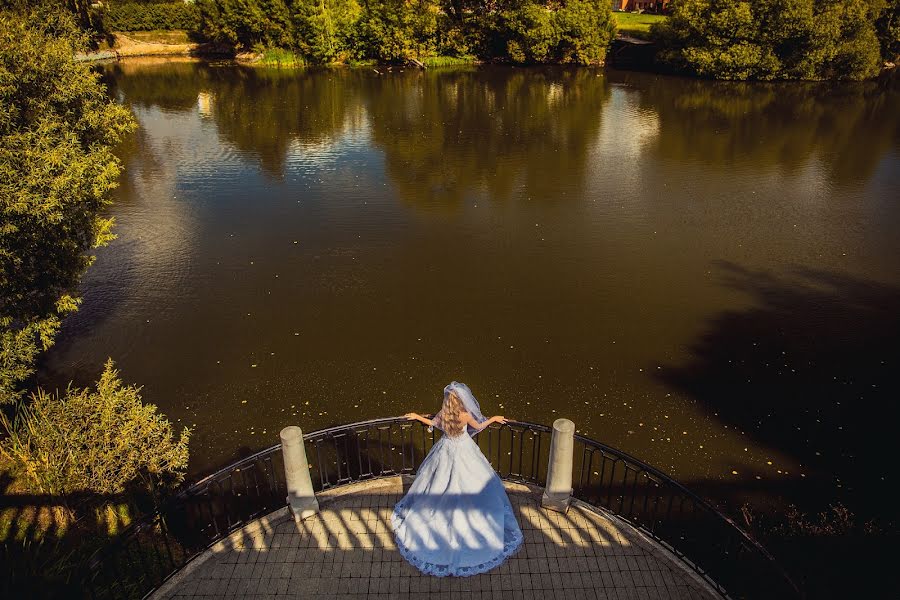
705	275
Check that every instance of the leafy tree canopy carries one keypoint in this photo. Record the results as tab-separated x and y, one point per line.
57	131
324	31
773	39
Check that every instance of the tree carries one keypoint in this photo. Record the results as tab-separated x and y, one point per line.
578	31
771	39
98	441
887	27
324	26
247	24
57	131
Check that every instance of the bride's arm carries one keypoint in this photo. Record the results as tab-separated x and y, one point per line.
420	418
471	422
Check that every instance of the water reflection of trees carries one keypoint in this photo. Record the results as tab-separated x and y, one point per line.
167	85
264	111
448	135
848	127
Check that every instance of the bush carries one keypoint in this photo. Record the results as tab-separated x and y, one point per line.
771	39
132	16
99	441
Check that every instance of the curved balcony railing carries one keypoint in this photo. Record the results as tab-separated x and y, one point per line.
155	548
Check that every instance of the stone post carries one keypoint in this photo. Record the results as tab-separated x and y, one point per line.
558	493
300	496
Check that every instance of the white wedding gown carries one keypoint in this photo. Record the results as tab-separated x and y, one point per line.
456	518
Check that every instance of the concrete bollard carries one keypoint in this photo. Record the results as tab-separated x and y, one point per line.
558	493
301	497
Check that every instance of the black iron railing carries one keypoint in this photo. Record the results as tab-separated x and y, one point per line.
151	551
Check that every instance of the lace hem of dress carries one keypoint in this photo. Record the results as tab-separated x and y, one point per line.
509	548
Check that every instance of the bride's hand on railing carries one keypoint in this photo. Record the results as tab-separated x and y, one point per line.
412	416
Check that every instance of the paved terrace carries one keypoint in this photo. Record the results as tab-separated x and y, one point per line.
347	551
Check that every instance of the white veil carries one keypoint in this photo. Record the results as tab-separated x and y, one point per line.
468	399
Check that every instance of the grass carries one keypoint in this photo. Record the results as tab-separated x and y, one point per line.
636	24
447	61
276	57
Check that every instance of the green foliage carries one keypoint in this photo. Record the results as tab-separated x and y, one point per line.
448	61
772	39
887	28
247	24
578	32
276	57
325	31
532	33
131	16
57	130
586	28
99	441
392	30
324	27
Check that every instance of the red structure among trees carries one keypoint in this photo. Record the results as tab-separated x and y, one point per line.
656	6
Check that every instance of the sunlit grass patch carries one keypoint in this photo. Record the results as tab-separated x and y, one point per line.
276	57
636	24
448	61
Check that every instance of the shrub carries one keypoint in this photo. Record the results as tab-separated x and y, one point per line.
132	16
99	441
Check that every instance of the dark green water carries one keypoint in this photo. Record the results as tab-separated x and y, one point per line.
705	275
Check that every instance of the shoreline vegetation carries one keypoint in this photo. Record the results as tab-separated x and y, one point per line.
369	32
758	40
76	466
177	44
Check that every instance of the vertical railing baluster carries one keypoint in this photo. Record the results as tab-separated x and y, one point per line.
323	475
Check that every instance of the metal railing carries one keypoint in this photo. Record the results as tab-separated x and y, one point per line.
151	551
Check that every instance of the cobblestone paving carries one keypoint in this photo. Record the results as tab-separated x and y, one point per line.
348	552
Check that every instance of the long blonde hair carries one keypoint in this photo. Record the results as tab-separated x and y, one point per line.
450	418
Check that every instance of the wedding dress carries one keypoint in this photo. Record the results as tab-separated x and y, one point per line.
456	518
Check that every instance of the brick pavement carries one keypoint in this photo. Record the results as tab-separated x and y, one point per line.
348	552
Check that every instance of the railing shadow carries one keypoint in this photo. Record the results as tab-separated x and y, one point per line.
44	537
213	509
349	548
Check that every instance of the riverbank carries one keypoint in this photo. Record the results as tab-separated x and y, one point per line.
151	43
144	44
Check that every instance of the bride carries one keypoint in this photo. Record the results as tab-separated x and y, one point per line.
456	518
